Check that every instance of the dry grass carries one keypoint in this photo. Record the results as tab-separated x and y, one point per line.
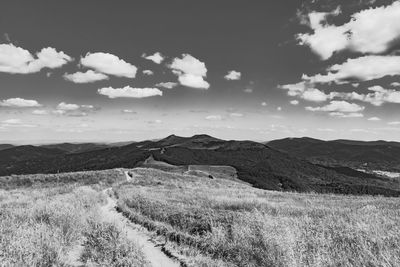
40	225
220	223
106	245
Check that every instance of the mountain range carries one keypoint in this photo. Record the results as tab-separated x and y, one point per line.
302	165
374	155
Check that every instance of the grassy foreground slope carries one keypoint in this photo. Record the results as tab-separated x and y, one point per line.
44	219
217	222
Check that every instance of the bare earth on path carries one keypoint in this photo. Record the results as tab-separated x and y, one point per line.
153	254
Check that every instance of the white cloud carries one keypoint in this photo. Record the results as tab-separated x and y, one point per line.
233	75
264	104
279	108
85	77
394	123
315	95
346	115
73	110
129	92
154	122
369	31
305	91
193	81
109	64
191	71
236	114
128	111
374	119
378	96
294	89
16	123
190	65
363	69
214	117
294	102
338	106
156	57
326	130
64	106
18	60
168	85
395	84
87	107
19	103
40	112
248	90
148	72
12	121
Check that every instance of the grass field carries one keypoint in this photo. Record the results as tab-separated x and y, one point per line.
217	222
42	223
209	222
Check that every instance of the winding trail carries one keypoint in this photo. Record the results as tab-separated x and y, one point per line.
152	251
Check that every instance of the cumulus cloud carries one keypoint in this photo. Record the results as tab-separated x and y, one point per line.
361	69
305	91
235	114
130	111
18	60
129	92
73	110
374	119
363	33
148	72
156	57
315	95
16	123
109	64
65	106
395	84
190	71
233	75
346	115
214	117
264	104
85	77
378	96
168	85
338	106
194	81
12	121
19	103
40	112
394	123
294	102
248	90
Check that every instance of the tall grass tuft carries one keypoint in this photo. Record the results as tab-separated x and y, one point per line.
106	245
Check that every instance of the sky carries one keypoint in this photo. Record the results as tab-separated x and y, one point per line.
109	71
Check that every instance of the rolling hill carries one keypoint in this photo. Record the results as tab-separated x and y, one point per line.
76	147
258	164
375	155
5	146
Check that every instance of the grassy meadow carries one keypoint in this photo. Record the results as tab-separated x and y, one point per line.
45	219
216	222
